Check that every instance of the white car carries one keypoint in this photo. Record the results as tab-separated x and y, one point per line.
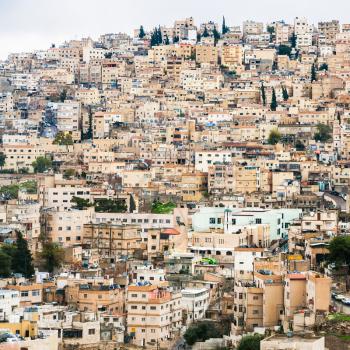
340	297
346	301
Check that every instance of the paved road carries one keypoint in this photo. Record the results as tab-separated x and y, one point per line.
180	345
339	202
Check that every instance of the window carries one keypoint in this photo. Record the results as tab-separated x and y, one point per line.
35	293
153	308
212	221
24	294
91	331
258	221
133	307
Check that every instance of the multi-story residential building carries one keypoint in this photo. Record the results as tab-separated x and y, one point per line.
330	30
195	303
111	240
154	315
9	301
252	28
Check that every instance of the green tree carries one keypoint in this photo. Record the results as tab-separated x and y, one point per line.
5	264
166	42
63	139
205	32
225	29
63	95
22	257
142	33
299	146
271	29
216	36
324	66
250	342
284	50
132	205
30	186
68	173
285	93
9	191
273	104
162	208
89	134
2	159
159	36
274	137
339	251
263	94
201	332
52	255
313	73
80	203
324	133
156	37
293	40
41	164
106	205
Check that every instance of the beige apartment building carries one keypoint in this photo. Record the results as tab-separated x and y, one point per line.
154	315
88	96
207	54
107	298
329	29
112	240
232	57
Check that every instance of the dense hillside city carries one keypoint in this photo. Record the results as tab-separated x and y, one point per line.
185	187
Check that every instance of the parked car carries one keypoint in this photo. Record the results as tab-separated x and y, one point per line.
340	297
346	301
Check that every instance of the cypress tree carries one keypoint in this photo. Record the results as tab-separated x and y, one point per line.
224	29
205	32
263	94
142	33
155	37
216	35
293	40
313	73
273	105
159	36
166	42
22	261
285	93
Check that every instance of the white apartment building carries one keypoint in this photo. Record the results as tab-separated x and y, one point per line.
195	302
303	32
204	159
68	116
90	54
244	262
191	80
59	198
9	301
